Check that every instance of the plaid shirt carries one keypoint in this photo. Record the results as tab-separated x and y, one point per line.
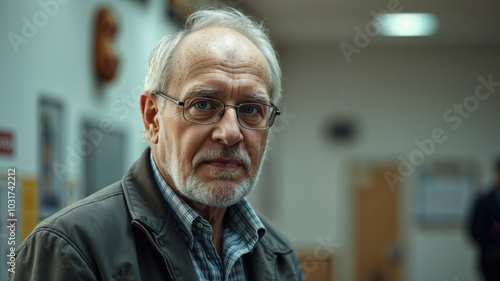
243	230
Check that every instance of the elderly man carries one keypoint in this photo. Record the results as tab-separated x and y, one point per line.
180	212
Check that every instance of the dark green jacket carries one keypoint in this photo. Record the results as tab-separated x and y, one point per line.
126	231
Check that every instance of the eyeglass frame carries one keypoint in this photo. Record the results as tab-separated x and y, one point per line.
236	107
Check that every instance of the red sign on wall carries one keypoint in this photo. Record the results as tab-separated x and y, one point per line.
6	143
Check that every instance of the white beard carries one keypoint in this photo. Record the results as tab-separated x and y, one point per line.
222	192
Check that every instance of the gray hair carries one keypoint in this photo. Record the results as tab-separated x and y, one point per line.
160	65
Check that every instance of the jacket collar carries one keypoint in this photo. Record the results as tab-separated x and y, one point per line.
144	200
147	206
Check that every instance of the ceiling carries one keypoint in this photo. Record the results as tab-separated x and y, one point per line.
322	22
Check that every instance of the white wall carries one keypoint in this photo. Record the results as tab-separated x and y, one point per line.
56	62
397	96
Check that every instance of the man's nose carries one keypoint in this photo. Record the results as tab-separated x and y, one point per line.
227	129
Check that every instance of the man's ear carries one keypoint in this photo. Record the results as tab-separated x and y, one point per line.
149	111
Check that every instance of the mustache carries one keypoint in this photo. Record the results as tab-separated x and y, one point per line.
222	152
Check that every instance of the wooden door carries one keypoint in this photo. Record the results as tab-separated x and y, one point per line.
316	267
376	226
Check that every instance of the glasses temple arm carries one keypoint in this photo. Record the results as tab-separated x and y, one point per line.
278	112
169	98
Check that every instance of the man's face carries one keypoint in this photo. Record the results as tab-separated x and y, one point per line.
215	165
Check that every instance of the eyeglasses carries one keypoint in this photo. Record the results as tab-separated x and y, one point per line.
208	111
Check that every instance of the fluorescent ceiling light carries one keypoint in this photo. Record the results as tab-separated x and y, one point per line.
407	24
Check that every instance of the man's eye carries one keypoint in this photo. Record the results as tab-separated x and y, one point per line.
249	109
202	105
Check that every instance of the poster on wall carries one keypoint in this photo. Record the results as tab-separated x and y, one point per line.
50	136
105	163
444	191
6	142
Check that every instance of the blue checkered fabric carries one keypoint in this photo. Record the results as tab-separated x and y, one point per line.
243	230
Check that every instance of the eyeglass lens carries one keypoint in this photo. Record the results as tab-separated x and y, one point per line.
209	111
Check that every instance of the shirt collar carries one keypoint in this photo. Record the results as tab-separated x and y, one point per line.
241	216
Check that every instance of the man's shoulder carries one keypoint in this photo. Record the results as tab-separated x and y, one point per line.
94	224
274	239
487	195
274	244
97	212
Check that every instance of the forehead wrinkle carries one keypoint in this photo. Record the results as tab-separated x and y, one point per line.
220	70
238	67
254	69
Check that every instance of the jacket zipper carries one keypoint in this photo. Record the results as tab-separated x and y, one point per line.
158	249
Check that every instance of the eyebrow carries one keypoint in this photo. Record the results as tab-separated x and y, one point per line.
200	91
208	91
260	97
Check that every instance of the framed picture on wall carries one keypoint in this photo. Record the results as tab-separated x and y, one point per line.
50	125
105	163
444	191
